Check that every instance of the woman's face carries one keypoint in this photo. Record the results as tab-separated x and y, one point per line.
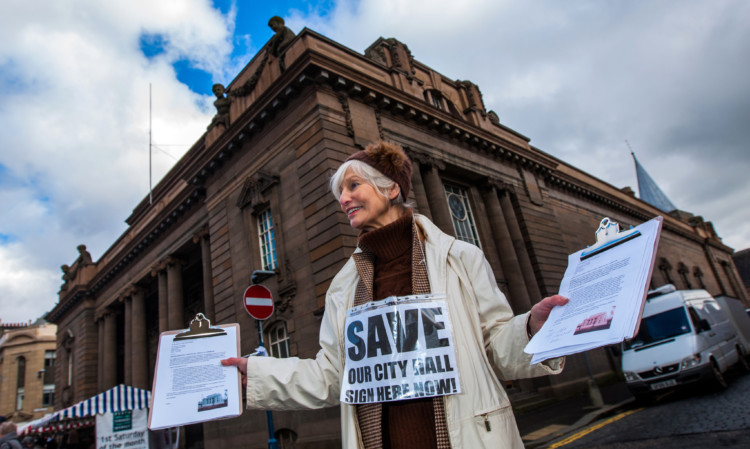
365	207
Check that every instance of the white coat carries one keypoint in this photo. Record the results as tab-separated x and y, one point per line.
488	339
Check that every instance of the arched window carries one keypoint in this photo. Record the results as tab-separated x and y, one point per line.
463	219
277	340
286	438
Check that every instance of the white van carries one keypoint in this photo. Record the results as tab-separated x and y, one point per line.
684	337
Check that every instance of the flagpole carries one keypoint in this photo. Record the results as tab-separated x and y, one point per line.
150	194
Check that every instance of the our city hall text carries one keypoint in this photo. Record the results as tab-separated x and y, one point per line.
399	348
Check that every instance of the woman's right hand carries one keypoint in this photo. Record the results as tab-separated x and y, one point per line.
241	364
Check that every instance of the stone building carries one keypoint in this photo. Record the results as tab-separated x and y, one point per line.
27	370
252	194
742	261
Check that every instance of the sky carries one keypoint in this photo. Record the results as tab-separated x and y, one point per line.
83	82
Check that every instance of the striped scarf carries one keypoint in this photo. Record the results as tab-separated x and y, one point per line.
370	416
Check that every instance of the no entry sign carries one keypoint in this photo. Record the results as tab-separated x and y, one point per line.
258	302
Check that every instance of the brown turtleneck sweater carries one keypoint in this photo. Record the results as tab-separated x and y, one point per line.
410	423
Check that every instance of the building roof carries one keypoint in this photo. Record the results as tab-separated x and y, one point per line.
648	191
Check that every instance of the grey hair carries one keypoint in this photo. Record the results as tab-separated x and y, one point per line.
369	175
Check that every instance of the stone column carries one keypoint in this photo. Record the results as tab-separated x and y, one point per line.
208	284
524	261
162	293
420	195
519	297
109	371
99	357
433	185
176	304
138	348
128	333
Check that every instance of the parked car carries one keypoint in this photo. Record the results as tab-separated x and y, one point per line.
685	337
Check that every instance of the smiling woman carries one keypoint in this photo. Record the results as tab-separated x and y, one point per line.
404	263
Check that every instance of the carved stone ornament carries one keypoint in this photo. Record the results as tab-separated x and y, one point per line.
69	272
222	107
287	291
254	191
377	54
344	100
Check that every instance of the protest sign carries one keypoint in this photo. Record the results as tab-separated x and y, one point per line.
399	348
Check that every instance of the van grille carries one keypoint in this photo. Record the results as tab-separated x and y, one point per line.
659	371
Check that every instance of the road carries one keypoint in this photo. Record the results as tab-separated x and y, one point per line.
699	418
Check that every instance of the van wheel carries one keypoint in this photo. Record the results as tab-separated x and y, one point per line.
719	381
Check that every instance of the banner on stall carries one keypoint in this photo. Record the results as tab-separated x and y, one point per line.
122	430
399	348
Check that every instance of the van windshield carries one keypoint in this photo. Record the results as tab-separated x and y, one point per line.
660	327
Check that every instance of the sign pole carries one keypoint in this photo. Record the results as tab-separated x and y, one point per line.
258	302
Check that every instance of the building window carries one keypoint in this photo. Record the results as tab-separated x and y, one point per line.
286	438
48	389
278	341
49	367
463	220
20	382
48	395
69	380
434	97
267	241
19	398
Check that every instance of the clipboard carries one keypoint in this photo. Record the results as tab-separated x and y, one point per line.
608	236
607	292
190	385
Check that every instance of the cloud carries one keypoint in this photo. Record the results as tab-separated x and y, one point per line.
74	121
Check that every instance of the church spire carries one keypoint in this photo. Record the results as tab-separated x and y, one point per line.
648	191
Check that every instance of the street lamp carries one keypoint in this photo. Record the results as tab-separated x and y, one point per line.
261	275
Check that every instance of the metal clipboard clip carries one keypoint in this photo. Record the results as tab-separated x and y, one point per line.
200	327
608	236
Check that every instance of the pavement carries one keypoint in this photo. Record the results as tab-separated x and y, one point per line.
541	423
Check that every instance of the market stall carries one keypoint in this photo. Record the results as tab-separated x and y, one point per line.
121	409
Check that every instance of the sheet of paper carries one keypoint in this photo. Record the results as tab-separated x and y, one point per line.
399	348
607	293
190	384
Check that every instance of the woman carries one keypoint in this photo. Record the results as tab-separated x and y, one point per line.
402	253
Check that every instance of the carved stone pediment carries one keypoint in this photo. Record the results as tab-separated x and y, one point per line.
254	192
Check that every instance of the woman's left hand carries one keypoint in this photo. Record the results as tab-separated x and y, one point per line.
540	311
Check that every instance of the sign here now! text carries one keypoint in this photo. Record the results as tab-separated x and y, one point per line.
399	348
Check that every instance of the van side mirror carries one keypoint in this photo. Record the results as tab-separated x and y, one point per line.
703	325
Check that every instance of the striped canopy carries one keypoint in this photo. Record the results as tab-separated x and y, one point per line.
117	399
